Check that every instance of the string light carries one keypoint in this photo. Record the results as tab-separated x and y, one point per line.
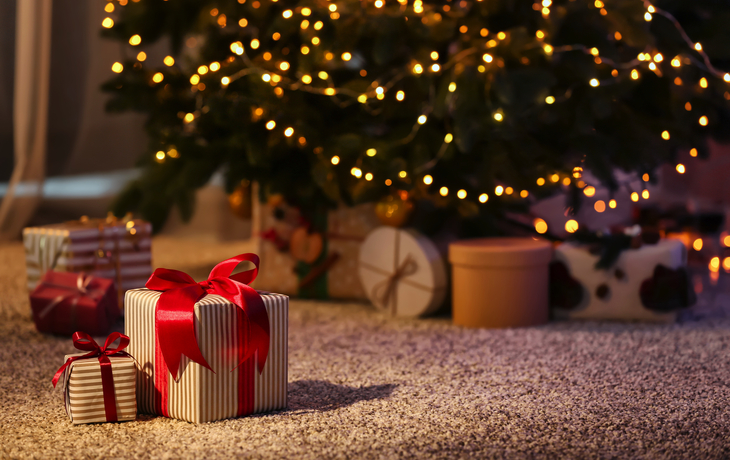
135	40
594	82
566	181
388	182
448	138
483	198
214	66
158	77
524	194
371	152
289	131
487	57
346	56
107	23
443	191
555	177
189	117
461	194
335	160
703	82
498	116
452	87
195	79
435	68
540	226
356	172
697	244
665	135
427	179
117	67
703	120
726	241
726	263
571	226
645	194
265	77
612	204
698	46
509	190
362	98
304	49
323	75
243	22
254	45
318	25
499	190
160	156
225	81
330	91
141	56
271	124
549	100
417	69
109	7
680	168
540	181
599	206
676	62
647	16
400	95
422	119
693	152
306	11
634	74
402	174
287	14
634	196
369	176
589	191
202	70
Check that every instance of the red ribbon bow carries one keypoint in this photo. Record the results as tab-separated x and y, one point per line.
175	312
84	342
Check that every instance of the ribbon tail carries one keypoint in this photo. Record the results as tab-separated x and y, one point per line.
254	308
175	327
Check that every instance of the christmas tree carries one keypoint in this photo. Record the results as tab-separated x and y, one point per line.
478	107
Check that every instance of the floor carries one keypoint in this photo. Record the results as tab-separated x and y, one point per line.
362	385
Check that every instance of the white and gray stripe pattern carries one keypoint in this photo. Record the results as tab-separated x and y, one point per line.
200	395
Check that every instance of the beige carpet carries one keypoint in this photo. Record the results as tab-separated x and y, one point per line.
364	386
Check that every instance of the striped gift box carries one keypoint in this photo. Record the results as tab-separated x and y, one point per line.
200	395
84	395
117	250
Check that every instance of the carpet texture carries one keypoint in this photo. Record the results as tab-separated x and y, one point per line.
362	385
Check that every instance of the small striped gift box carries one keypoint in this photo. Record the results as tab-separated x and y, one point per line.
199	395
106	248
84	395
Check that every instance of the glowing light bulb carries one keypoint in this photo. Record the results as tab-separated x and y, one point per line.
427	179
363	98
330	91
658	57
271	124
566	181
304	49
418	68
676	62
368	176
333	7
306	11
612	204
647	16
266	77
540	34
703	120
645	194
225	81
117	67
435	68
697	244
554	177
594	51
498	116
335	160
434	55
726	77
160	155
549	100
189	117
284	66
135	40
461	194
487	58
254	44
289	131
400	95
501	35
356	172
214	66
422	119
680	168
726	263
371	152
141	56
443	191
448	138
652	66
589	191
346	56
158	77
195	79
306	79
540	226
540	181
452	87
665	135
202	70
703	82
499	190
594	82
243	22
379	3
107	23
634	196
693	152
484	32
109	7
323	75
318	25
483	198
287	14
698	46
548	49
571	226
402	174
634	74
599	206
379	90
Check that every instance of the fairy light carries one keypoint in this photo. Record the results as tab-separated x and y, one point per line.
306	11
594	82
566	181
540	34
703	82
594	51
335	160
304	49
417	69
487	58
243	22
388	182
202	70
726	241
402	174
452	87
330	91
357	172
304	24
524	194
665	135
645	194
318	25
548	49
435	68
225	81
612	204
461	194
726	77
652	66
589	191
346	56
499	190
555	177
498	116
195	79
172	153
703	120
109	7
647	16
680	168
322	75
698	46
676	62
107	23
265	77
443	191
540	181
634	74
135	40
509	190
540	226
658	57
599	206
214	66
160	156
254	44
289	131
571	226
284	66
434	55
634	197
483	198
379	90
726	263
549	100
271	124
189	117
363	98
427	179
141	56
693	152
422	119
371	152
117	67
697	244
287	14
158	77
369	176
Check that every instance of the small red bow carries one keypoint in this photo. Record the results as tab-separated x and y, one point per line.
175	311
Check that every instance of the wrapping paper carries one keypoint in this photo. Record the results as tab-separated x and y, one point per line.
615	293
200	395
65	302
83	389
118	250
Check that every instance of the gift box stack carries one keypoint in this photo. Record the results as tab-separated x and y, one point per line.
117	249
199	352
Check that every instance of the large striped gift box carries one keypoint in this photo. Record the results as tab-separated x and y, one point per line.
200	395
84	393
105	248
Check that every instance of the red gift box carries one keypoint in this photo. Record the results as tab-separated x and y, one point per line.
66	302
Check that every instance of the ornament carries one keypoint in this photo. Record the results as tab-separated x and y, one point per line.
394	210
240	200
305	246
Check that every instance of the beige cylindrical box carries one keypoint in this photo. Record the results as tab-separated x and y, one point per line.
500	282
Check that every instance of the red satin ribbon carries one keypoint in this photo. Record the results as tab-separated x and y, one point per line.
175	311
84	342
